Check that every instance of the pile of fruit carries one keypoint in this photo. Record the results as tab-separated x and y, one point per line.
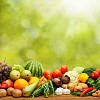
4	71
31	80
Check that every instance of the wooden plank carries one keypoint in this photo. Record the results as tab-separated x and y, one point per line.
63	97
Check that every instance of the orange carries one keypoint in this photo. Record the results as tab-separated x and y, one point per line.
20	84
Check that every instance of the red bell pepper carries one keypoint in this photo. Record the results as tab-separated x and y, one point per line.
95	74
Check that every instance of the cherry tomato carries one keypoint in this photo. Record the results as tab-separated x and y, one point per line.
56	73
64	69
48	74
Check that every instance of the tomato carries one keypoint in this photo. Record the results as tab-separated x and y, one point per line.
48	74
56	73
98	71
64	69
95	74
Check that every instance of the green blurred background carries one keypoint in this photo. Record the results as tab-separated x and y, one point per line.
53	32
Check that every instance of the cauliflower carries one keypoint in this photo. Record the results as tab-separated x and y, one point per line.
73	76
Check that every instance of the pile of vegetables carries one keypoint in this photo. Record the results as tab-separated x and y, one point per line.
45	89
90	77
31	80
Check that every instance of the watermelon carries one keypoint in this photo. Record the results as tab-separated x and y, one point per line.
35	68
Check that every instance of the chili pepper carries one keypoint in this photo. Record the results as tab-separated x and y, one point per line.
90	93
86	90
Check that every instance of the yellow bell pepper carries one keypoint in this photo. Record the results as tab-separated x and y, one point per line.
83	77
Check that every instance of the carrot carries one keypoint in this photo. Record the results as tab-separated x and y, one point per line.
41	81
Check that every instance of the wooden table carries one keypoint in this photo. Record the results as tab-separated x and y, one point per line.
54	97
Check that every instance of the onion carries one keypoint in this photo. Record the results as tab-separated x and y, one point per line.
57	82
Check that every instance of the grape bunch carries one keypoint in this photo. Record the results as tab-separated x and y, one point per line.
4	71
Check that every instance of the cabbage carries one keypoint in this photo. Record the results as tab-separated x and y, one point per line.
78	69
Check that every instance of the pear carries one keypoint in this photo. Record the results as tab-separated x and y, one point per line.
14	75
29	89
26	74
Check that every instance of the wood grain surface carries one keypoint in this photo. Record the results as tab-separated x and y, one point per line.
53	97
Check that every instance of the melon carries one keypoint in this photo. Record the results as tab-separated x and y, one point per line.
35	68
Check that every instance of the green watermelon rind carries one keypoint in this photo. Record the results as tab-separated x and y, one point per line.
39	73
27	65
30	67
35	68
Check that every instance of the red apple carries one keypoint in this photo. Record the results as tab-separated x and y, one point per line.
10	83
4	85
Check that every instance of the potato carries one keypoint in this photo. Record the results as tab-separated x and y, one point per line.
17	93
10	90
97	91
98	94
77	88
71	86
83	85
3	92
94	94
